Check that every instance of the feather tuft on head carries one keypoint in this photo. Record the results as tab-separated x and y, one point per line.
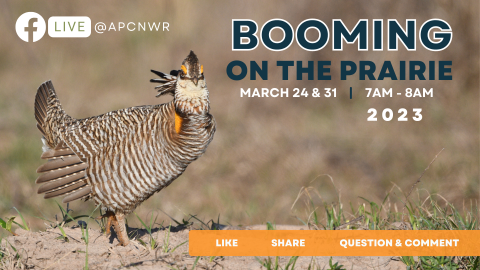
167	82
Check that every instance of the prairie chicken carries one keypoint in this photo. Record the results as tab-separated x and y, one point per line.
121	158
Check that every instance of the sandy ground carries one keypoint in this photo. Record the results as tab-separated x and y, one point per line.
48	250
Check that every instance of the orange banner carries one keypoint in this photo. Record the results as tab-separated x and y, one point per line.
334	243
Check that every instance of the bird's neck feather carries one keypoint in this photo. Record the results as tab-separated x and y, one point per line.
192	102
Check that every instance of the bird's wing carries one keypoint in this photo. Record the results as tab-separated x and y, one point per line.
106	143
63	174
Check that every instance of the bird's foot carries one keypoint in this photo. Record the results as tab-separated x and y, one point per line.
110	219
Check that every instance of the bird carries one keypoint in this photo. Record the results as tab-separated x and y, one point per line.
121	158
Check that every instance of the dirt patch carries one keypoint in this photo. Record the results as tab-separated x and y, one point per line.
48	249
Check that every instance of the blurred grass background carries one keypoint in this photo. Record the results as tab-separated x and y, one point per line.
265	149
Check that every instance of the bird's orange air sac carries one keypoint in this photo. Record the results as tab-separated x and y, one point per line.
178	122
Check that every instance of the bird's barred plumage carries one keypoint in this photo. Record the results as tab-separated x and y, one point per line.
121	158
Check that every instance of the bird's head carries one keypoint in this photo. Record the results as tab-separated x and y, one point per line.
187	85
191	76
191	92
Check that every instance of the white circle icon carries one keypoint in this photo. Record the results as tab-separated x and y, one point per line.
30	27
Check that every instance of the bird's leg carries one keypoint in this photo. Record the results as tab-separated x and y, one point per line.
110	215
120	229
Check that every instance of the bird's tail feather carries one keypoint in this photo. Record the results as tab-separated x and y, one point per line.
49	114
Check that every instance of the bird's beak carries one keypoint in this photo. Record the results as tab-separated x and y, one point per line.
195	80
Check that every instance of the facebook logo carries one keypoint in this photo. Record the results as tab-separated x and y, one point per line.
30	27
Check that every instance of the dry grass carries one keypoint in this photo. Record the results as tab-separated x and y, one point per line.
265	149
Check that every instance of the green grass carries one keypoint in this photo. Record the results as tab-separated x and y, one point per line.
25	226
85	236
9	259
274	265
335	266
431	212
152	240
7	225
